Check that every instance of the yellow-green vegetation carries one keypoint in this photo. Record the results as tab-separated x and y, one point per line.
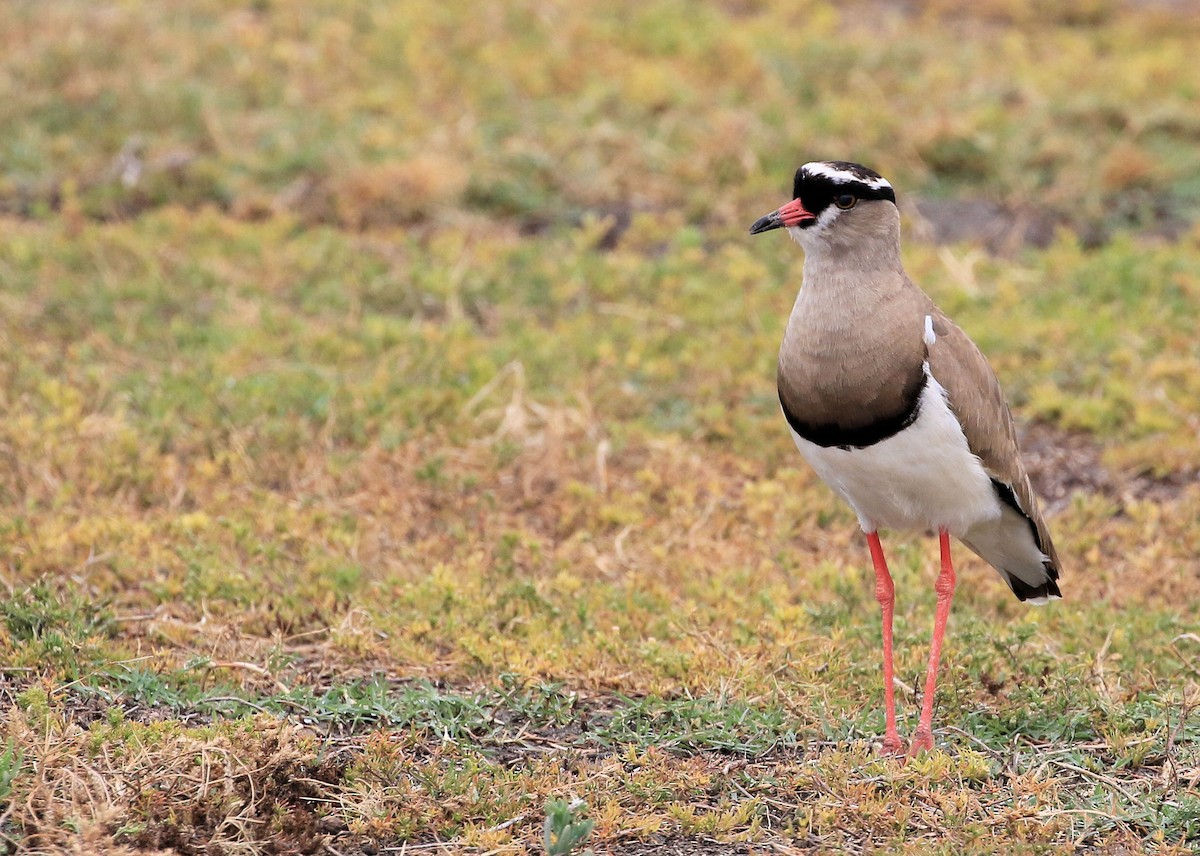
389	452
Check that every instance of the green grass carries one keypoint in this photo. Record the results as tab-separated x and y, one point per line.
481	755
390	451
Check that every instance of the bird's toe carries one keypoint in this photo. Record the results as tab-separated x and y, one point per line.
922	742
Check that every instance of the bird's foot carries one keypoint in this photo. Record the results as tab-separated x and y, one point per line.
922	742
892	747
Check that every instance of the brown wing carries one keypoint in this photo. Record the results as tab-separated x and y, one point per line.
978	402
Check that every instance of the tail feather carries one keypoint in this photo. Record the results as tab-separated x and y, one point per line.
1037	594
1007	543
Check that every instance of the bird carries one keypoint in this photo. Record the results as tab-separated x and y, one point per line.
897	409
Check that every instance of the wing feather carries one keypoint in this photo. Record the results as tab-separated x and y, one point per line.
978	402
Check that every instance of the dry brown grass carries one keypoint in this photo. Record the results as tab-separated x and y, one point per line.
349	346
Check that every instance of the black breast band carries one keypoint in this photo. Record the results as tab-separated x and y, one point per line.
831	434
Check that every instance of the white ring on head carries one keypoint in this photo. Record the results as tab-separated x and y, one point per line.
842	176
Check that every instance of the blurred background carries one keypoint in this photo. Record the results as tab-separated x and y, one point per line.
532	115
423	344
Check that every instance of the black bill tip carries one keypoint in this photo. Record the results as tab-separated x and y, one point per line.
766	224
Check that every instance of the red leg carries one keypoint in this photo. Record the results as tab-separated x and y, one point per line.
923	739
885	593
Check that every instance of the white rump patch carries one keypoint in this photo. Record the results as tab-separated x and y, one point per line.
841	176
930	336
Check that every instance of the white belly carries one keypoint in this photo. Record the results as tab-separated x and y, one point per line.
925	477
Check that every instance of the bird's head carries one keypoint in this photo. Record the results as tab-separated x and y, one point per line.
836	204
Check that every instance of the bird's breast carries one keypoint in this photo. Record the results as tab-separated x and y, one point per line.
921	476
851	397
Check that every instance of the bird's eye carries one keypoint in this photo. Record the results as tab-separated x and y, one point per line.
846	200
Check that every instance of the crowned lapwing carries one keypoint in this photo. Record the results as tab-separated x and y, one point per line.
896	408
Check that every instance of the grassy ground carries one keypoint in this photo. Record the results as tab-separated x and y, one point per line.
390	447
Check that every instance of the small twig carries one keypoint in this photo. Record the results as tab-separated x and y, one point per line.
140	659
257	707
988	749
251	667
507	823
1046	750
93	559
619	544
1055	812
633	313
513	368
1170	771
602	450
411	848
1098	664
316	632
766	799
1102	779
235	664
1191	662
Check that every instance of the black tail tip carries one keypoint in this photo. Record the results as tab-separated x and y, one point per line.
1024	591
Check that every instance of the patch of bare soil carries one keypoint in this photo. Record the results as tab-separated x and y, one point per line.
1002	230
1005	229
1062	463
